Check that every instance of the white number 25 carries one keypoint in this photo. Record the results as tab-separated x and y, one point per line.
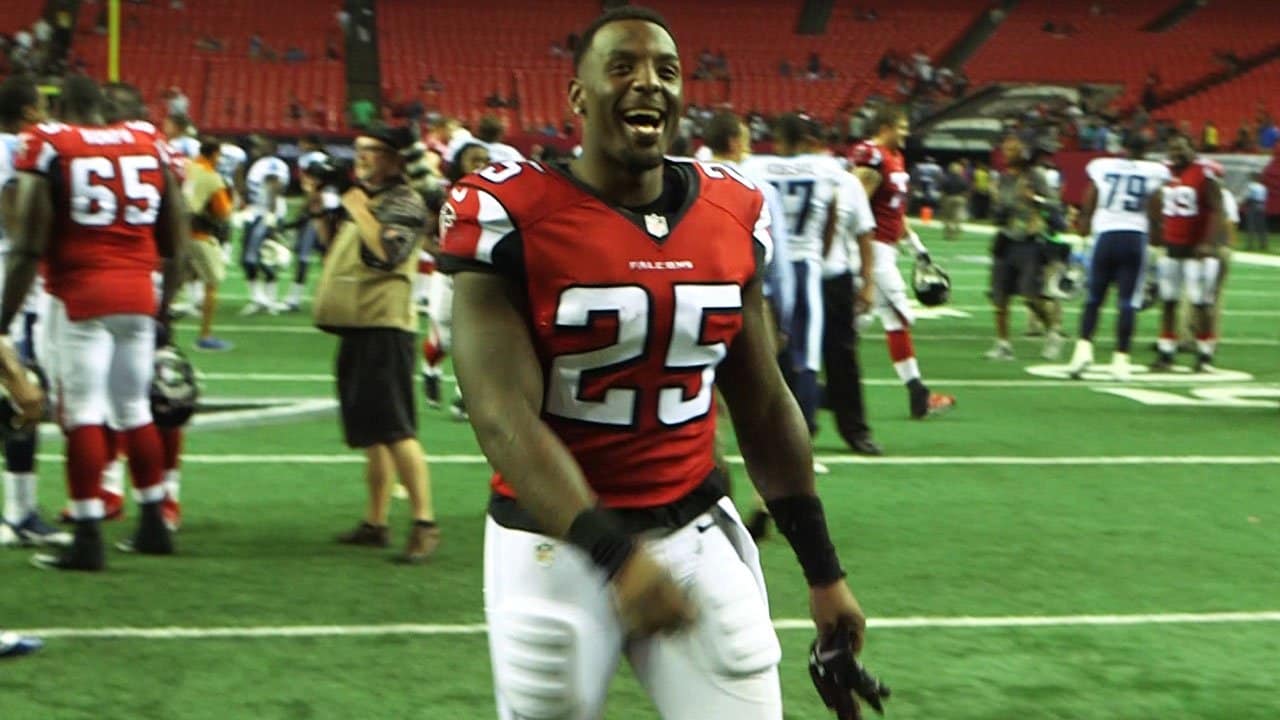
630	304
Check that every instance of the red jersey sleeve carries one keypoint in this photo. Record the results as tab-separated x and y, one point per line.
37	148
481	218
867	155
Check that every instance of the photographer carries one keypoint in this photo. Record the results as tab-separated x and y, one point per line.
365	296
1025	212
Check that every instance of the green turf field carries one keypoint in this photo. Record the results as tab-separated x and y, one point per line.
1052	549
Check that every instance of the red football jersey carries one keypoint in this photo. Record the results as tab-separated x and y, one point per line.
629	313
107	183
889	202
1186	204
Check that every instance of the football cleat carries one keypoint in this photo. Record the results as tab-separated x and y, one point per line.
15	645
431	386
1204	363
1000	351
171	513
1120	367
931	404
33	531
1163	362
1052	345
86	552
864	445
152	536
1081	359
459	411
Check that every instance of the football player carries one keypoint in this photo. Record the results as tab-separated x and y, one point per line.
21	104
808	183
311	154
181	135
878	163
593	304
1191	205
1118	213
265	184
98	205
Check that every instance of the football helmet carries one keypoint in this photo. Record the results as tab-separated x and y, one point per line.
173	388
931	283
10	414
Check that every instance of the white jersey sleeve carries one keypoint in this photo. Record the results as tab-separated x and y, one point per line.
853	219
8	146
230	158
1123	187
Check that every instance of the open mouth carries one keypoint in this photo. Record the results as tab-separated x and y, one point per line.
643	122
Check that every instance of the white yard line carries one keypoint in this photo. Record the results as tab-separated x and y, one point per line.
904	623
476	459
994	383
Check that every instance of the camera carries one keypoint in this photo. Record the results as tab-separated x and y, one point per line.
331	172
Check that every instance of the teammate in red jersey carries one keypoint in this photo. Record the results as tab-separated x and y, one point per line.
1191	206
593	305
98	205
878	163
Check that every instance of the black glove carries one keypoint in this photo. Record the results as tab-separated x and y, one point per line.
838	676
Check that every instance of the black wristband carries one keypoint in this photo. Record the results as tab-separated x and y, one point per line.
801	521
596	532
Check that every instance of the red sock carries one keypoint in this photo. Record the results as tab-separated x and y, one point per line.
432	352
900	347
87	456
172	439
146	461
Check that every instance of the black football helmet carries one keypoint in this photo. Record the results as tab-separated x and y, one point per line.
173	388
931	283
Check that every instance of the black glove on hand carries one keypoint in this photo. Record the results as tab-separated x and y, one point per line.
839	676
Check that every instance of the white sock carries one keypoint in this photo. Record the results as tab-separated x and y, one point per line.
195	291
172	480
295	293
1206	347
270	296
87	509
13	508
257	292
1120	359
113	477
907	370
1083	354
1167	345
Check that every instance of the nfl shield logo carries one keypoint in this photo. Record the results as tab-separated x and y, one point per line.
656	225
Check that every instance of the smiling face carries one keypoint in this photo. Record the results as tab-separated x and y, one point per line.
628	90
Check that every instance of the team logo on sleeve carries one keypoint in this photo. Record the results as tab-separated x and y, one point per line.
448	216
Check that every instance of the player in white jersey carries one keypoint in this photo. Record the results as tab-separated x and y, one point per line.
807	183
231	162
265	183
20	105
312	155
1117	214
